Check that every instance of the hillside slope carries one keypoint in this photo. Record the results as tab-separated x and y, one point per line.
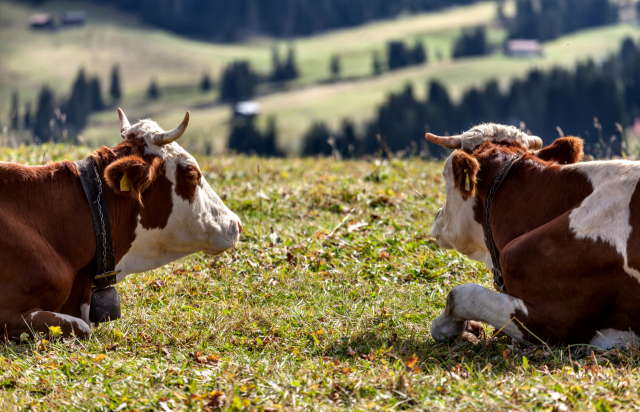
29	59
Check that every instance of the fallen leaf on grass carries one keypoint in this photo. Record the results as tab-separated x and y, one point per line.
411	362
209	360
217	400
156	285
162	348
111	348
99	358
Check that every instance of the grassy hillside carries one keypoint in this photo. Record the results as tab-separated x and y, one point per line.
29	58
330	293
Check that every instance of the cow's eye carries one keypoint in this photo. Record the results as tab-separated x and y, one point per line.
193	174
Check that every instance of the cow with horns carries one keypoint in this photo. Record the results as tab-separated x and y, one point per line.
562	238
160	209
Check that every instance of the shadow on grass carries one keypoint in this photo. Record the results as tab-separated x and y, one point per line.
497	354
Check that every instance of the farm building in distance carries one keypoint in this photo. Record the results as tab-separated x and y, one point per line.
523	48
41	21
73	18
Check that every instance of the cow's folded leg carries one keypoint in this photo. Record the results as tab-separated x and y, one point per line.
477	303
37	321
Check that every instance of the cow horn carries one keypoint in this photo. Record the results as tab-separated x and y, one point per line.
450	142
124	122
172	135
534	143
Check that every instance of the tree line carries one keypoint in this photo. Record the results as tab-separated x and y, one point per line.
549	19
593	101
62	119
224	20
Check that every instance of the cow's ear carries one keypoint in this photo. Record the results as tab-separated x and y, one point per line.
132	175
565	150
465	172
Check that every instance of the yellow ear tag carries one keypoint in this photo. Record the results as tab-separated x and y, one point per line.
125	186
467	183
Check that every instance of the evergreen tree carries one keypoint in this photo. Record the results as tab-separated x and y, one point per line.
315	141
206	84
290	68
115	91
79	105
13	113
418	53
396	55
27	116
269	139
347	141
335	66
376	64
471	43
246	138
238	82
153	91
95	93
45	114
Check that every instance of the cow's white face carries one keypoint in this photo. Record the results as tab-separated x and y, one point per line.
196	220
455	227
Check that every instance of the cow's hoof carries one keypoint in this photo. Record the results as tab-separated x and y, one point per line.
444	328
473	328
105	305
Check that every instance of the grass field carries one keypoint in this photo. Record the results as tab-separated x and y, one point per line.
325	305
27	59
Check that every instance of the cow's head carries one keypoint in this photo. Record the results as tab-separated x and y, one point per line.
457	224
178	213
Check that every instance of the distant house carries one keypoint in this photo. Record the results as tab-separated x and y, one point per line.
523	48
41	21
73	18
247	109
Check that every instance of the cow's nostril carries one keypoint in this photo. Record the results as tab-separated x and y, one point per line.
239	227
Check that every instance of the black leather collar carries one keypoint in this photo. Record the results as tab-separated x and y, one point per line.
105	274
498	280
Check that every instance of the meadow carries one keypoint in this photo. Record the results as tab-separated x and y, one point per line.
326	304
28	59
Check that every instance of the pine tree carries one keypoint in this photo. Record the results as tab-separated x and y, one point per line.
396	55
153	91
269	139
376	64
115	91
277	70
290	68
315	141
13	113
335	66
418	53
27	116
206	84
95	93
44	115
238	82
79	105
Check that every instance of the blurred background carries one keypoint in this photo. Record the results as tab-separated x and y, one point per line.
334	77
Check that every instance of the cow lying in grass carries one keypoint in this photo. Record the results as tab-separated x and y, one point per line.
567	238
48	245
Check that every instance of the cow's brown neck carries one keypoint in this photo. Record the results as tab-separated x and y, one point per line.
550	192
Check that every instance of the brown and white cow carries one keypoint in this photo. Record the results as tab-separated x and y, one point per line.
48	242
568	235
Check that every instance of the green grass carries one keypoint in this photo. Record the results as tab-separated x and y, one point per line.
306	314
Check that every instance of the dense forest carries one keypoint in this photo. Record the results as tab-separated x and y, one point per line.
594	101
550	19
224	20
